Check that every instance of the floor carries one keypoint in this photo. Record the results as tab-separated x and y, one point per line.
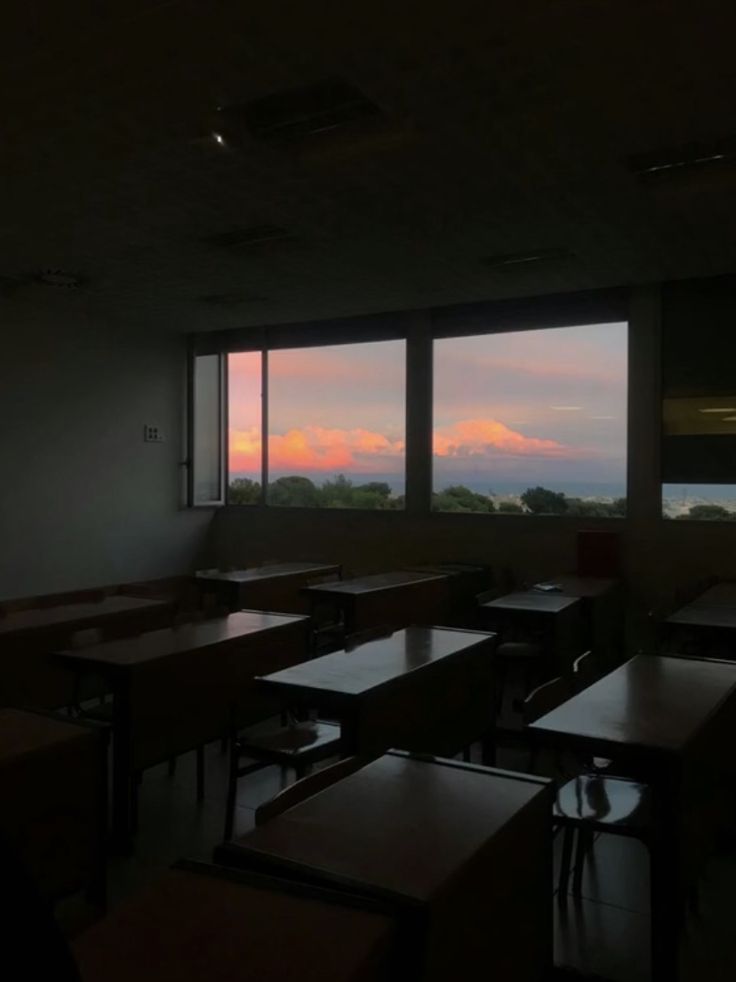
603	935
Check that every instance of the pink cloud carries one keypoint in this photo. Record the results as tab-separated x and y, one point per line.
480	437
317	448
313	448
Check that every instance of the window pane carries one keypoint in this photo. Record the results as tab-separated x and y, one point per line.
703	502
207	432
532	422
244	428
336	426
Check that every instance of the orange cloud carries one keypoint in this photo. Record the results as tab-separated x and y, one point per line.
312	448
477	437
317	448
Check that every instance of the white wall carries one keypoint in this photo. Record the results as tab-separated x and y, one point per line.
83	500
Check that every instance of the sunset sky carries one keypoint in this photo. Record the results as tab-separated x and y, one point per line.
538	406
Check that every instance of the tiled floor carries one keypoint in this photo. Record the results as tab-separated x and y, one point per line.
605	934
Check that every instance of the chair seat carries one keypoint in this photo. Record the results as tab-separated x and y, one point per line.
304	741
519	649
605	803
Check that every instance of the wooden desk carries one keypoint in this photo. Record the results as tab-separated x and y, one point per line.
423	688
699	614
30	676
707	625
276	586
585	587
468	848
557	616
179	688
720	593
53	775
200	923
465	582
675	719
396	599
602	612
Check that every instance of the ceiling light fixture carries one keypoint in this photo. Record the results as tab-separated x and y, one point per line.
715	409
219	139
689	155
527	258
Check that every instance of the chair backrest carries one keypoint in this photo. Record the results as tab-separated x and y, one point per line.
86	637
325	578
486	596
369	634
544	699
307	787
584	671
182	617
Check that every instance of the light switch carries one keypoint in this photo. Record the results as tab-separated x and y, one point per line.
152	434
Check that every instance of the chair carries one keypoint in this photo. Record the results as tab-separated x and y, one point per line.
357	638
589	803
307	787
299	745
526	653
584	671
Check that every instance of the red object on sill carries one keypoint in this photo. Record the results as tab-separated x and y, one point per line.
599	553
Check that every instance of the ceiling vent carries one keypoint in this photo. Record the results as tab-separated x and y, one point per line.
250	237
520	260
230	299
688	157
59	279
293	116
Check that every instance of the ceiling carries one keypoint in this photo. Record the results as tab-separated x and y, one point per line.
507	130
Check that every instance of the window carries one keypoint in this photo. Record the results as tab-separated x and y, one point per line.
698	400
532	422
244	428
703	502
336	421
207	449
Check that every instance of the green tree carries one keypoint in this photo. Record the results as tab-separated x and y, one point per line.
459	498
510	508
338	493
542	501
380	488
294	491
243	491
710	513
618	508
342	493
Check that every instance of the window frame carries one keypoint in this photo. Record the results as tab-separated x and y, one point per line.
222	450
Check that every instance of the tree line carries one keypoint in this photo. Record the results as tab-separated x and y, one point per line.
341	492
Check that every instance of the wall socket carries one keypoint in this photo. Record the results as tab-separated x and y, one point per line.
152	434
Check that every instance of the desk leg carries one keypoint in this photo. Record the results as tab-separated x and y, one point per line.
349	615
667	892
122	754
349	730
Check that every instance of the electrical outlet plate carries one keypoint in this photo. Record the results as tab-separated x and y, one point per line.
152	434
